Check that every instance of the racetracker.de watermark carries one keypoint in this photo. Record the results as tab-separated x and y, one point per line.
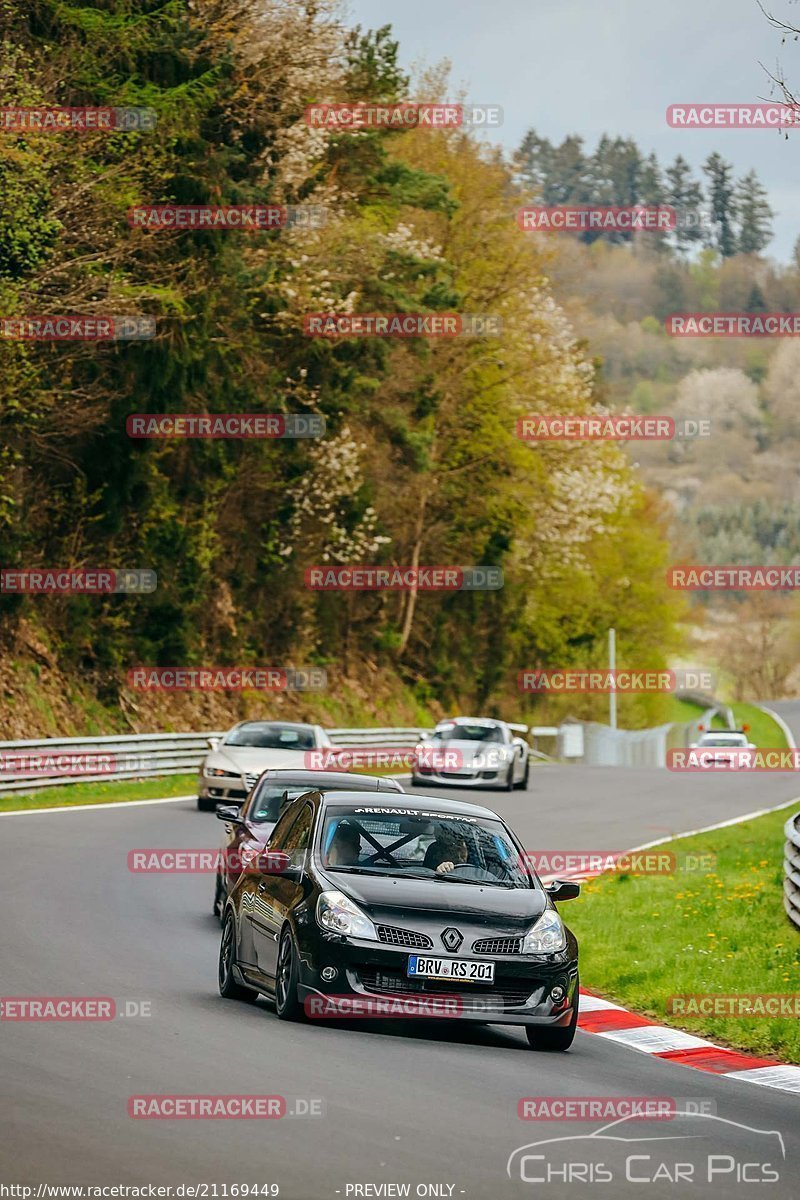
253	218
564	218
72	328
404	579
604	1108
710	578
733	324
732	758
206	1108
719	1004
24	765
733	116
336	1007
87	581
224	425
77	120
345	118
71	1008
402	325
227	679
572	863
348	758
618	680
613	427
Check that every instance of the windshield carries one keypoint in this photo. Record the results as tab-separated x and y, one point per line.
266	807
724	741
271	737
431	845
468	733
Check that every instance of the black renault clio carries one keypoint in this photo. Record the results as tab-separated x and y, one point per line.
359	901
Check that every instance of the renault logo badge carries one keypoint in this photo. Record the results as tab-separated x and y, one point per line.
452	938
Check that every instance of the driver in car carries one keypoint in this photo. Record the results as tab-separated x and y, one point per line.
345	847
447	852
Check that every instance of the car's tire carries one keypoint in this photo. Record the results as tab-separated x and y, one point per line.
523	783
554	1037
228	987
287	973
508	786
219	898
206	805
415	782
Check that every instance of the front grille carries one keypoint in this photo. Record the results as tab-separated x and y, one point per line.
498	945
403	937
507	992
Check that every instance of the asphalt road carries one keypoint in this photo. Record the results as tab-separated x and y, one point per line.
418	1104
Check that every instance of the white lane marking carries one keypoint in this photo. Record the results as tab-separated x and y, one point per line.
38	812
778	719
786	1078
588	1003
654	1039
675	837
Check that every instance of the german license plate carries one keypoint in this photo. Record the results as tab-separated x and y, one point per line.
464	970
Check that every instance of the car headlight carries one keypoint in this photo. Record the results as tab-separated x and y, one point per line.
338	914
547	936
217	772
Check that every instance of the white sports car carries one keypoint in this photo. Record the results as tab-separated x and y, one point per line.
721	744
473	752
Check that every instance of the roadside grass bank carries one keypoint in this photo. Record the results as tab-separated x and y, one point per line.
715	932
764	732
102	793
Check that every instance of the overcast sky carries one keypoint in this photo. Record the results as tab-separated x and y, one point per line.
594	66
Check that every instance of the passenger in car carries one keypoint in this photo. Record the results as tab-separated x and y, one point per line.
345	847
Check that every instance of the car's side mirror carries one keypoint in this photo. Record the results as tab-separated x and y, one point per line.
563	889
214	743
230	814
278	862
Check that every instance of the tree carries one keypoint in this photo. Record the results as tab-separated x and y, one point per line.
686	196
720	193
754	215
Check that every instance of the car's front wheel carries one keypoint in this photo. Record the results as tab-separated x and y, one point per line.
509	780
554	1037
206	805
287	1004
228	987
523	783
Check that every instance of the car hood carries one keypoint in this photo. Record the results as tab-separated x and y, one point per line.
252	760
402	902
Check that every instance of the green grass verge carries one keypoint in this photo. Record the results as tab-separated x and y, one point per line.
764	730
646	938
102	793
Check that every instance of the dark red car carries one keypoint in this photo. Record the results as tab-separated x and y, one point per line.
248	828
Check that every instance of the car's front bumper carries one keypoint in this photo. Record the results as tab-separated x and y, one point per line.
221	790
368	973
465	777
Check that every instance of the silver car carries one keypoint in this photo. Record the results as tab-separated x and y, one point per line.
235	761
473	752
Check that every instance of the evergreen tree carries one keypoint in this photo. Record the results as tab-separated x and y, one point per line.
755	215
721	194
686	196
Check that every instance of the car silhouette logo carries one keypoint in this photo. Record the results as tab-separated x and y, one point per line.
451	938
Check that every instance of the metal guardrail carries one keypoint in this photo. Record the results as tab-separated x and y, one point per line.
141	756
791	867
607	747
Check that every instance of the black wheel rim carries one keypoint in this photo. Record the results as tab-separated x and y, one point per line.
283	973
226	953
